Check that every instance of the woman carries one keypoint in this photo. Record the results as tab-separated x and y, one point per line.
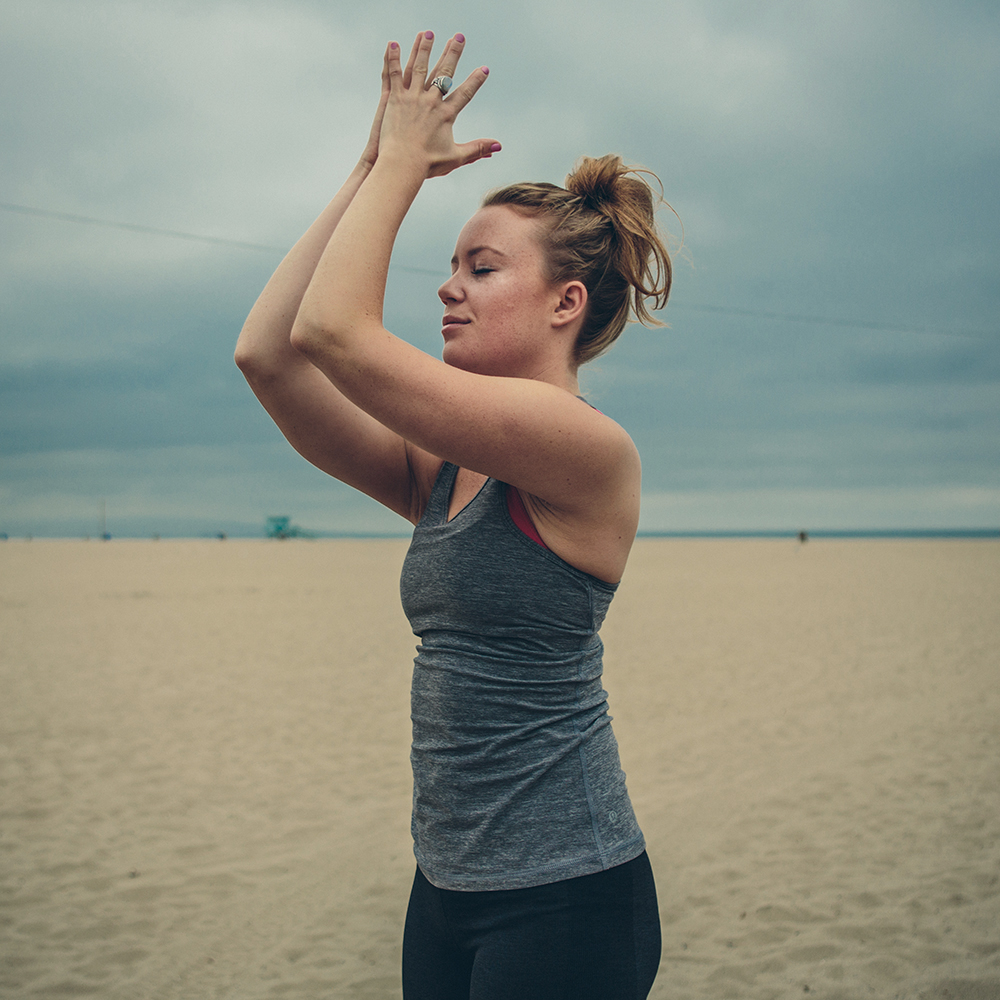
532	878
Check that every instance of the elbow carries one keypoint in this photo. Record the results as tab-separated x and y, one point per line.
254	369
245	359
326	344
307	337
250	360
257	360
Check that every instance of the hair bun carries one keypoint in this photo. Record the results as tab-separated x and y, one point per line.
597	181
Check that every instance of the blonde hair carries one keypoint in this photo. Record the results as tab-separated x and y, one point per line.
600	230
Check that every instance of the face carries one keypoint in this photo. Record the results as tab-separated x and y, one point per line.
498	302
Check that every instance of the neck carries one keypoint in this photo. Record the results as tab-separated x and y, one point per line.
560	378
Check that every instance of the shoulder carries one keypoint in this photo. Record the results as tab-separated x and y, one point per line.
594	527
608	456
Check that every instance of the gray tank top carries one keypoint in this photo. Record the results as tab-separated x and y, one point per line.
516	776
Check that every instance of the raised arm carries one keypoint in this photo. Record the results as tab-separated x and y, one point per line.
317	419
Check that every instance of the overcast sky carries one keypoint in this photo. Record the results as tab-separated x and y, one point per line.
833	355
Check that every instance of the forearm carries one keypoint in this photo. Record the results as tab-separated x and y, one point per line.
344	299
264	342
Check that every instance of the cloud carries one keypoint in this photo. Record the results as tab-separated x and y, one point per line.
828	160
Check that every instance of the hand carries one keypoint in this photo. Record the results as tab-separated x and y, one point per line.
370	155
417	119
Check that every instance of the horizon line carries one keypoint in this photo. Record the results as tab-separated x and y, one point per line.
902	533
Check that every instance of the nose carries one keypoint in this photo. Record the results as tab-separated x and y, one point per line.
450	291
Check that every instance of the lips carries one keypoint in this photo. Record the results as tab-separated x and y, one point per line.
449	323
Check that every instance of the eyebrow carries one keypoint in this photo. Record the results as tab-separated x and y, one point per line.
474	250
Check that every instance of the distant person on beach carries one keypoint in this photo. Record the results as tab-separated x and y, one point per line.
532	879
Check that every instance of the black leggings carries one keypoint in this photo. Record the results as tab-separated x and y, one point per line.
596	937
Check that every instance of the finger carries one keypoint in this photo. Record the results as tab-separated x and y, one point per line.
425	43
464	93
408	69
478	149
385	69
392	67
448	63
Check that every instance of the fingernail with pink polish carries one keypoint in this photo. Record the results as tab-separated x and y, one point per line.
486	70
496	147
460	38
393	45
428	35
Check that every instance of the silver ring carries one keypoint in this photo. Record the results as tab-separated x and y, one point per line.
443	83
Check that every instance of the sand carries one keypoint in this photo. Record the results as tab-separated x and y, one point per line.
205	782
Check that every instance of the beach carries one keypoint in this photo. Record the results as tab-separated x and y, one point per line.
205	782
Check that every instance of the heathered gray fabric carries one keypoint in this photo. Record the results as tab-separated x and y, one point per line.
516	776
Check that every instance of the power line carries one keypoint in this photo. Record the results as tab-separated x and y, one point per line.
133	227
857	324
440	273
174	233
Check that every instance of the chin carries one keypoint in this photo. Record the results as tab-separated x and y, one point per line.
476	363
454	358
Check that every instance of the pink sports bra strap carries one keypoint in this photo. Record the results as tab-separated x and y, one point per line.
519	515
